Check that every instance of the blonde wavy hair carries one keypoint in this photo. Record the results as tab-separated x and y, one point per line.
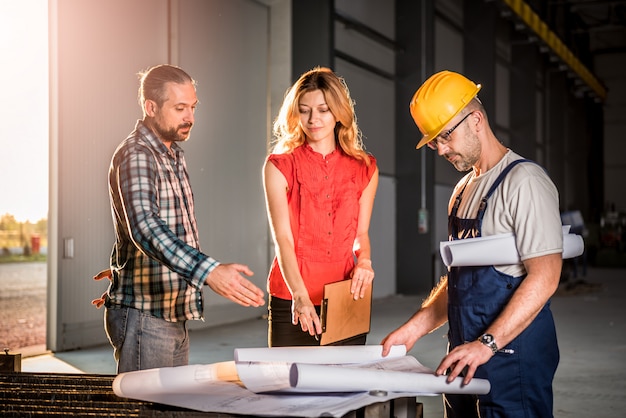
288	134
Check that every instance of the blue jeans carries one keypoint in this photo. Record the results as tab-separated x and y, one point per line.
141	341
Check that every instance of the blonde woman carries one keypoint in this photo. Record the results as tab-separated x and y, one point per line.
320	186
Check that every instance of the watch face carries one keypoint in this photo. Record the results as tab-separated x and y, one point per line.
489	341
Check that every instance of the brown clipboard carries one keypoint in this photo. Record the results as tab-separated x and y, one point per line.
343	317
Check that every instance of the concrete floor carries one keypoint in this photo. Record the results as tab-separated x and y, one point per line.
591	325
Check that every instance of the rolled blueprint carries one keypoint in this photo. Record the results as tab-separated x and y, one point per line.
316	378
263	388
319	355
403	374
497	250
182	379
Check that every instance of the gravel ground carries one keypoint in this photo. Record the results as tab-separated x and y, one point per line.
22	305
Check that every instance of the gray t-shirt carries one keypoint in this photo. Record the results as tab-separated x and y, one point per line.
526	203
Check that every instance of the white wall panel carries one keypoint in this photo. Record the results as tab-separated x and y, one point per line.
383	238
375	111
228	146
374	97
98	47
374	94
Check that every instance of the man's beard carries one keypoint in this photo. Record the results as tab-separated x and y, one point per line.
469	155
463	165
171	134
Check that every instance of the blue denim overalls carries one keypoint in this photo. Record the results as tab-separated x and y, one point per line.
521	373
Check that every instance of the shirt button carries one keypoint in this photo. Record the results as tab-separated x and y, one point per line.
327	196
330	233
325	177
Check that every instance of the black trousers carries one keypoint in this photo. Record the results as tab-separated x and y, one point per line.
282	333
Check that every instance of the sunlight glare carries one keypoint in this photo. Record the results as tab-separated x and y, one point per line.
24	109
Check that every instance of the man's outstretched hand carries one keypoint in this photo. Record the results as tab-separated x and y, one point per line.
227	280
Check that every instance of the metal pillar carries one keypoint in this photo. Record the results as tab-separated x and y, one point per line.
313	35
414	168
523	117
479	57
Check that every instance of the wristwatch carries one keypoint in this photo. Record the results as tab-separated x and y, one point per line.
489	341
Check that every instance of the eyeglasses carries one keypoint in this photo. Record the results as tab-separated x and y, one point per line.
444	138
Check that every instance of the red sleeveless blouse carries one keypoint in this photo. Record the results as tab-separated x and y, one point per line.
323	197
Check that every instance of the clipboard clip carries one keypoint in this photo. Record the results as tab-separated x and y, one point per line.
323	314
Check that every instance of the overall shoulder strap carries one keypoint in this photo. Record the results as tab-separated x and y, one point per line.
496	183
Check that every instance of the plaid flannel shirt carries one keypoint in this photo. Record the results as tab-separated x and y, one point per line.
157	265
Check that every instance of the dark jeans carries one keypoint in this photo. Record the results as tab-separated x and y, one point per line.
282	333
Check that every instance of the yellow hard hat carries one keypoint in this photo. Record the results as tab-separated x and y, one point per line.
438	101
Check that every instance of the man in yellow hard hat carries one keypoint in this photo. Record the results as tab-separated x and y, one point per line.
500	324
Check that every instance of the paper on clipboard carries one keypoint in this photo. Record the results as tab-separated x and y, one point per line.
342	316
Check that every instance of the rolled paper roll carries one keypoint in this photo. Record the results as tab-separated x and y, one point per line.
497	250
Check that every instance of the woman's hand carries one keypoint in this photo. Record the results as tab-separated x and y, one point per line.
362	277
303	312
